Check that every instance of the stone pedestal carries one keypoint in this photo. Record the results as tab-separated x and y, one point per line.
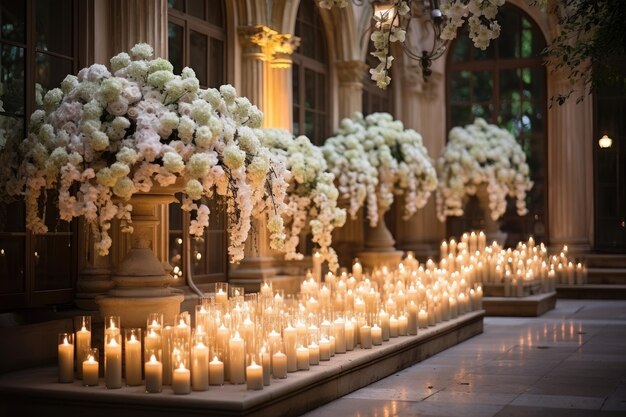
491	226
379	246
141	280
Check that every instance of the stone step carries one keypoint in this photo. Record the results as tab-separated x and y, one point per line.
529	306
604	260
592	291
606	276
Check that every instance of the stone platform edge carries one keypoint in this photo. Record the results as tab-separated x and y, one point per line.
35	391
528	306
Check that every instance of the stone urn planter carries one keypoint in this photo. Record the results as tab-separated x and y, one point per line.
491	227
379	245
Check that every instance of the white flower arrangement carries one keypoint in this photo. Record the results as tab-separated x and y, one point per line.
375	158
392	25
107	135
482	153
311	197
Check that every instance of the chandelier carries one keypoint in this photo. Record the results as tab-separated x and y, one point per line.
424	28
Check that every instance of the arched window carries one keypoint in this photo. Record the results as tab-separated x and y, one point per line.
310	75
505	85
375	99
39	44
197	39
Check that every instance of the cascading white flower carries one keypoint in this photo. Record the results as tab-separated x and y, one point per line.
482	153
375	158
105	136
311	198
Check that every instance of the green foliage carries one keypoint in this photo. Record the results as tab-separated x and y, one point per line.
591	41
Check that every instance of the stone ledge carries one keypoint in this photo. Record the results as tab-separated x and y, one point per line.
35	391
529	306
592	291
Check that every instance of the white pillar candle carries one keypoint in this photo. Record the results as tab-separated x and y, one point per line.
314	354
154	375
254	376
365	334
83	343
339	331
132	357
332	345
200	367
377	335
90	371
349	335
247	333
237	365
412	320
324	347
266	363
221	298
384	324
66	360
166	341
302	354
402	325
393	327
290	337
422	319
181	380
317	266
152	341
113	364
279	365
216	372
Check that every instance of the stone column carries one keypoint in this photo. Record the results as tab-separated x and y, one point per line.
348	240
570	170
422	107
266	82
134	21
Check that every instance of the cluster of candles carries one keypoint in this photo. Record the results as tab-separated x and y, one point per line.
528	264
252	338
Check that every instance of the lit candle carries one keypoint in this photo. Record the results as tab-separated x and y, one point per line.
154	375
324	347
279	365
166	341
221	297
422	319
443	250
290	337
357	270
482	241
132	357
66	358
216	372
267	365
83	343
236	360
384	324
152	341
331	339
302	354
314	354
317	266
349	335
254	376
90	371
200	367
365	334
113	364
377	336
339	331
412	318
402	325
393	327
181	380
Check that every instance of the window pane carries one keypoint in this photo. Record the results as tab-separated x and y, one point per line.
11	129
198	51
217	63
176	5
54	26
12	20
482	86
175	46
321	92
309	125
216	244
295	75
12	250
53	260
459	86
510	81
12	77
198	256
196	8
216	13
461	49
309	88
50	71
461	115
510	38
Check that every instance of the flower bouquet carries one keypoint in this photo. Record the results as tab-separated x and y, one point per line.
106	135
375	158
482	154
312	196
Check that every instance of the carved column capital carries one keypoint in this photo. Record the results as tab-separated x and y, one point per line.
270	45
351	71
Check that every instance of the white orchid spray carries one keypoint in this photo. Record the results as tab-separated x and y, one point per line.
375	158
311	198
108	134
482	153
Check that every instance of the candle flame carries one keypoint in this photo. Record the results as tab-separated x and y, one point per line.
153	358
65	341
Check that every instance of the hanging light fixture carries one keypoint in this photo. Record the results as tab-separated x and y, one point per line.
605	142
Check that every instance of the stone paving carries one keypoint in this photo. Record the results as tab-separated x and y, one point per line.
569	362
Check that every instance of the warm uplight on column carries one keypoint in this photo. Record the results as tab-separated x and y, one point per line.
605	142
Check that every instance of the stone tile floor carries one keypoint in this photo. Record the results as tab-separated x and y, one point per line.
569	362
